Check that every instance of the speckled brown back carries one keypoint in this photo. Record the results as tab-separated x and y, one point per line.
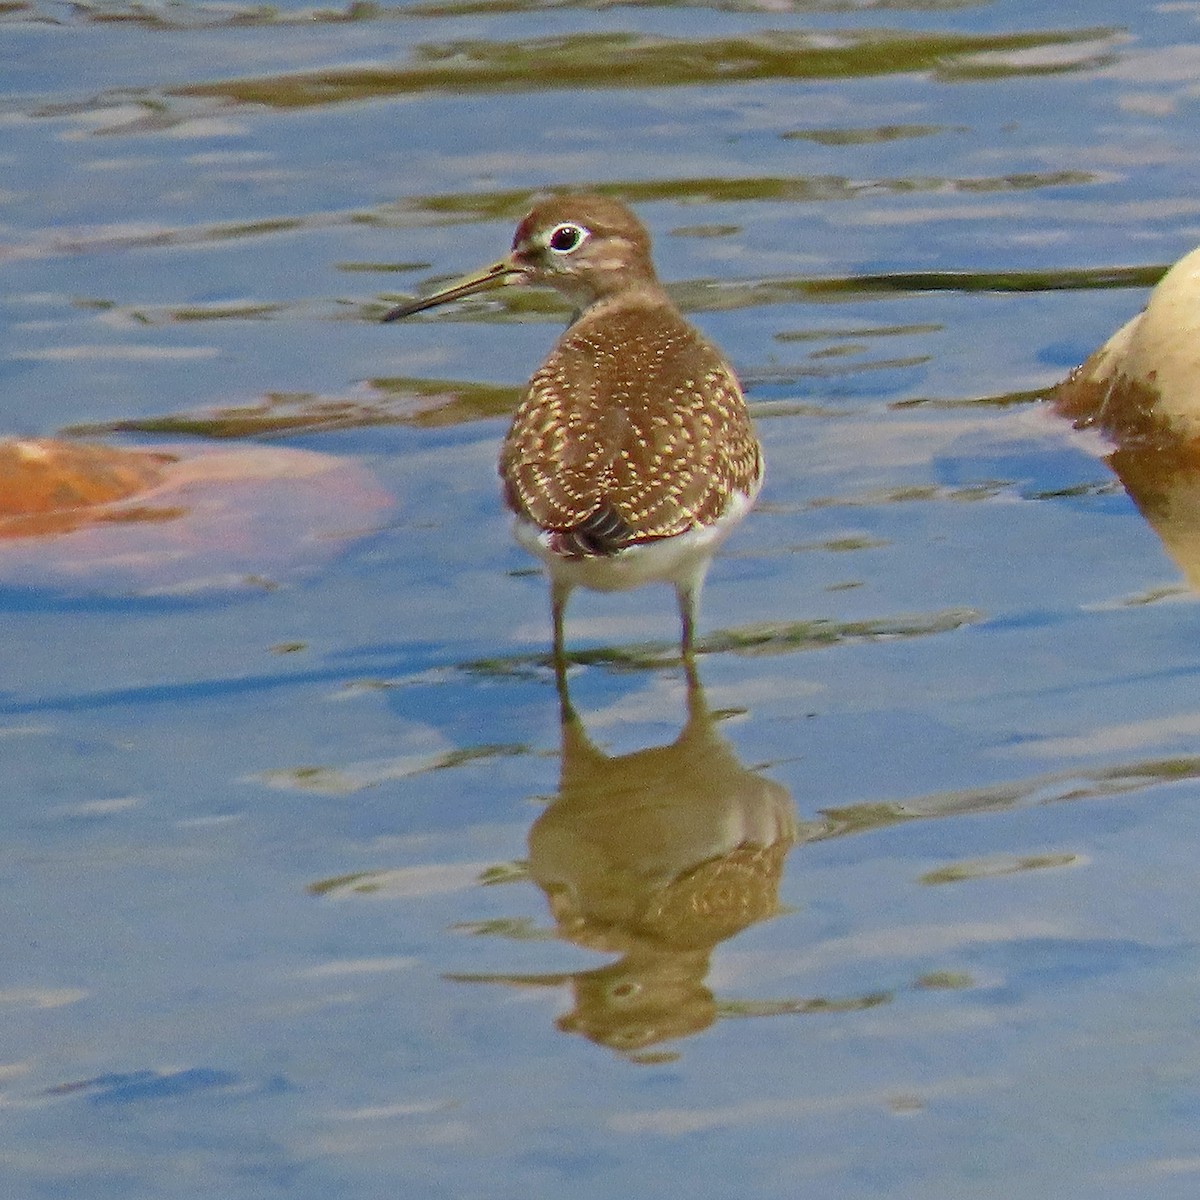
633	429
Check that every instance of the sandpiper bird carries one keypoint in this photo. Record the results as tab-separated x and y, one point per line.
631	454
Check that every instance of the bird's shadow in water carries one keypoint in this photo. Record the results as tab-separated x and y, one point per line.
654	856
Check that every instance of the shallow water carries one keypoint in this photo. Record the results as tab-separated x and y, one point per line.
309	891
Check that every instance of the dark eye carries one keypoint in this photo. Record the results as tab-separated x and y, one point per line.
565	238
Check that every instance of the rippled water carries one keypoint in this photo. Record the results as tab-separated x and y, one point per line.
312	889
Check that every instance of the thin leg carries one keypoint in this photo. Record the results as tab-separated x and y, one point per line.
688	593
687	620
697	708
566	710
558	607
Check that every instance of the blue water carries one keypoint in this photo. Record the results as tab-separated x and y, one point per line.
273	851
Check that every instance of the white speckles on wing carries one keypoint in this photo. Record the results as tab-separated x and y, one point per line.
634	427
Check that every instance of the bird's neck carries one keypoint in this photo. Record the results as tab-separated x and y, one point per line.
648	293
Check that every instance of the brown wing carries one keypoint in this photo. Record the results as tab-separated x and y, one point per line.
634	428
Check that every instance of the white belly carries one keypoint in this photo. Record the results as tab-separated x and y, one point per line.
680	560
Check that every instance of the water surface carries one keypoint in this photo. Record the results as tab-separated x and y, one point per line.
312	886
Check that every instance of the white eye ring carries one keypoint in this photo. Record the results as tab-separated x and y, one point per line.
566	238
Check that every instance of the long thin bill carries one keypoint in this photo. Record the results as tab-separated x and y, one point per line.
497	275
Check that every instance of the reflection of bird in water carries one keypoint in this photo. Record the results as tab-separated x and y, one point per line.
1142	389
631	454
655	856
